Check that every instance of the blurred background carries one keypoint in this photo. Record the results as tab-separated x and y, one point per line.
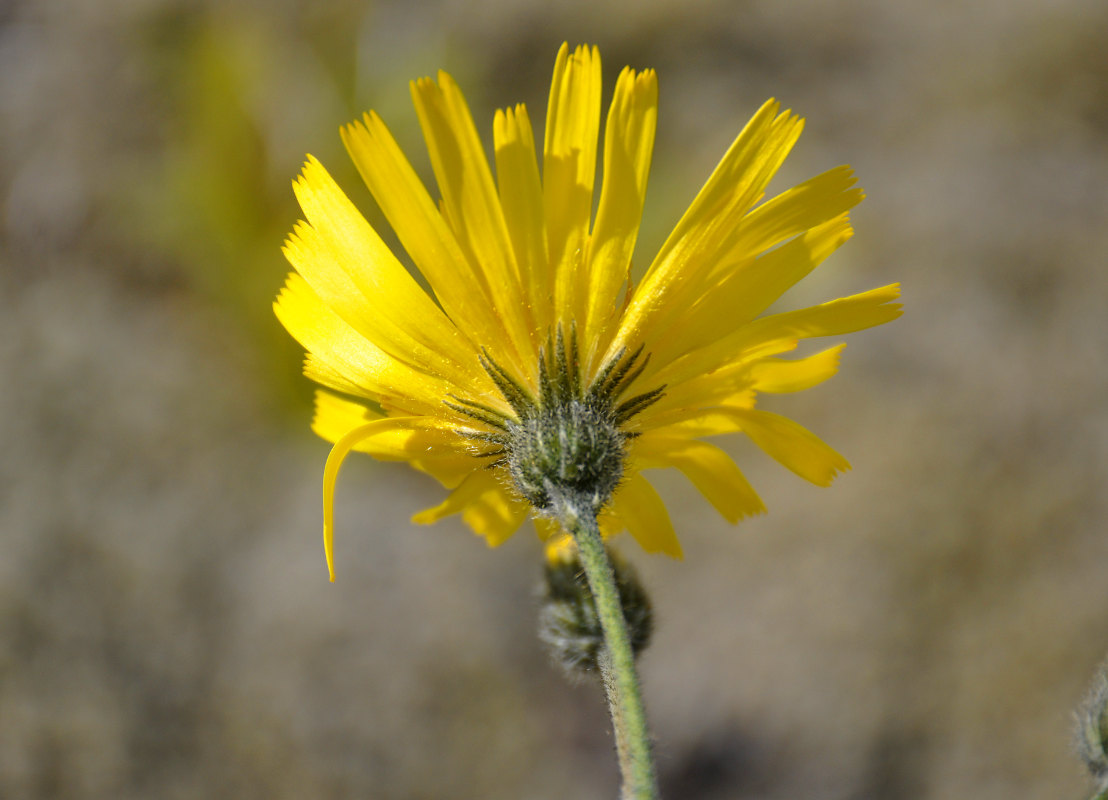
921	630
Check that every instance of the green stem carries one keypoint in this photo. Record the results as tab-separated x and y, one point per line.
617	664
1101	795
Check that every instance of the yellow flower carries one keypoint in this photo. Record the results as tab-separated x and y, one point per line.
533	321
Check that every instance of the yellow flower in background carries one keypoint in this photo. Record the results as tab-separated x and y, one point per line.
536	365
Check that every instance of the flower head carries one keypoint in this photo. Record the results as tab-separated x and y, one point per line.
536	367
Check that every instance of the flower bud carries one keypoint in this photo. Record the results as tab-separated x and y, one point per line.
1092	728
568	621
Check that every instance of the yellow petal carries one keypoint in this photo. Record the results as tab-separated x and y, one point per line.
548	530
710	469
759	283
642	511
317	369
469	490
338	454
496	516
686	400
698	378
764	336
834	318
351	270
745	290
609	523
460	287
517	171
470	200
569	171
812	203
710	226
628	146
368	370
779	375
699	422
336	416
486	506
434	447
559	547
792	445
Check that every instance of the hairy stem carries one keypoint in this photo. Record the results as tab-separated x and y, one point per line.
617	663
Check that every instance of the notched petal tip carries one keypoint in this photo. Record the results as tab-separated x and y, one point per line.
886	295
352	131
309	169
301	181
